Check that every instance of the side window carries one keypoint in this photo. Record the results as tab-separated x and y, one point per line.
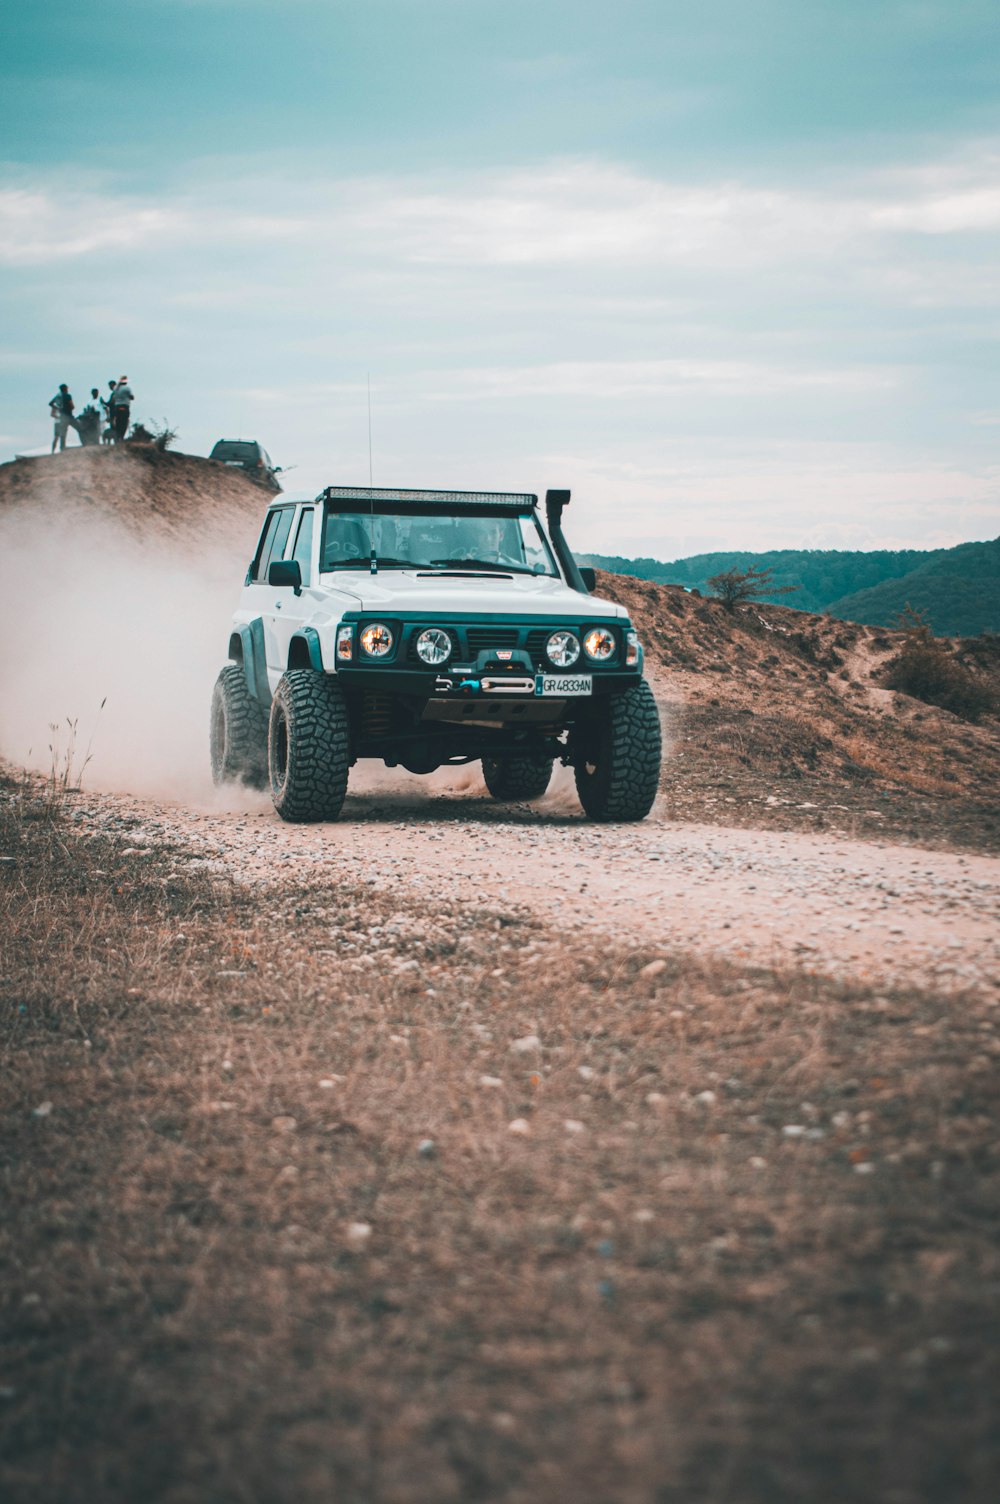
259	570
303	545
283	525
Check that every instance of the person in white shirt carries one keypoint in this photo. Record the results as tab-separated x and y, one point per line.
120	408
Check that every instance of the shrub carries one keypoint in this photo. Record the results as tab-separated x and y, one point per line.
925	669
161	436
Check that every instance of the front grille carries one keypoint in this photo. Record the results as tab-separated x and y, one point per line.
484	639
536	644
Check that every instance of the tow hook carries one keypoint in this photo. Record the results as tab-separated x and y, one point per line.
444	686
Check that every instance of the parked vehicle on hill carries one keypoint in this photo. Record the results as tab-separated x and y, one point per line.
427	628
250	457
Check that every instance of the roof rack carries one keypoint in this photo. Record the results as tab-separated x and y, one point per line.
364	496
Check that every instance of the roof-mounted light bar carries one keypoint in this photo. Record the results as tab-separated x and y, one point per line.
365	495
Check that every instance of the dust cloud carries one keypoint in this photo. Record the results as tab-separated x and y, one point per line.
111	648
112	645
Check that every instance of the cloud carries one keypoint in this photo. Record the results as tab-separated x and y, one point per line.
559	214
42	226
610	380
944	214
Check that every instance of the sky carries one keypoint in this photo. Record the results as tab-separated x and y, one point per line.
730	272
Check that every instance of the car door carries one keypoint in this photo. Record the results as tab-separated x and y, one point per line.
270	601
289	609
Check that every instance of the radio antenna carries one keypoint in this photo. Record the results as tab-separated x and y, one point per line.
371	482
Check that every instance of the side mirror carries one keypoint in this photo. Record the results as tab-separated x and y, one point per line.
285	572
589	578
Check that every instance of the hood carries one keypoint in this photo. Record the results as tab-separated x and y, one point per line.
424	592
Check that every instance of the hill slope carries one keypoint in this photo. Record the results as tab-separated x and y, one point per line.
142	490
959	588
958	591
819	575
782	717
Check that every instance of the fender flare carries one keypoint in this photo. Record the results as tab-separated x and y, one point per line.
251	640
309	638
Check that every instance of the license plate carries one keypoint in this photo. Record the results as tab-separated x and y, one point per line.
564	685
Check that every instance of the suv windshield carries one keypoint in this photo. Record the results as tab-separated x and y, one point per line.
232	449
436	540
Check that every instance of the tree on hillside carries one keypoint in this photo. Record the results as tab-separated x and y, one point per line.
735	586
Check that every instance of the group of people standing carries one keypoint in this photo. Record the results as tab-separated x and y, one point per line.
104	420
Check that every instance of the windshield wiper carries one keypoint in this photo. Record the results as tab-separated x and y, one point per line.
480	564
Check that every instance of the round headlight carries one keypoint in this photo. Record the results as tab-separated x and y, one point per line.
599	643
433	646
376	640
562	649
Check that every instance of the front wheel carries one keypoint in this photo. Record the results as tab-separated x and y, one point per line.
308	747
517	777
617	761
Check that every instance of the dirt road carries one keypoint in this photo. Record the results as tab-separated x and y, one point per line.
849	909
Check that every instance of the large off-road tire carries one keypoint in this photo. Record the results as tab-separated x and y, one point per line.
308	746
237	732
618	757
517	777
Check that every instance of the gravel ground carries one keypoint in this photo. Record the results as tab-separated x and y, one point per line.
865	911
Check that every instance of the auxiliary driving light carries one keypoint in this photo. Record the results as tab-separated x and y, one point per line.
345	643
376	640
631	649
434	647
563	649
599	644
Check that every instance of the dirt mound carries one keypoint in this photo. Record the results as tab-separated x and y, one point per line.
782	717
146	490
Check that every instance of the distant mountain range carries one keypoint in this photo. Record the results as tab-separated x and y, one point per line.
957	589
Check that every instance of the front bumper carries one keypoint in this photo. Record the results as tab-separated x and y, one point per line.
457	684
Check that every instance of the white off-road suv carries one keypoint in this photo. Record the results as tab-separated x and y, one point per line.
424	628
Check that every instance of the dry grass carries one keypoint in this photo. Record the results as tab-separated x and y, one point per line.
675	1300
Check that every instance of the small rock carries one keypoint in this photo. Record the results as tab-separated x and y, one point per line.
520	1126
706	1098
793	1130
526	1045
493	1082
585	1072
653	968
573	1125
284	1124
358	1234
42	1110
427	1148
643	1215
